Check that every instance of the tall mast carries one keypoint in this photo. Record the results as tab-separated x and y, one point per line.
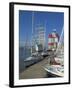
60	40
32	22
32	29
45	36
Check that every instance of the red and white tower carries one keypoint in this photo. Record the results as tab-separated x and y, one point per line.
53	39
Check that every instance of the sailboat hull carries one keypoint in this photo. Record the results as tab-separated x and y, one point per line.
32	60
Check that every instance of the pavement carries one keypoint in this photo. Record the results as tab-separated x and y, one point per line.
35	71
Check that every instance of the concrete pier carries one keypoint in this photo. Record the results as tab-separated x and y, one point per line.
35	71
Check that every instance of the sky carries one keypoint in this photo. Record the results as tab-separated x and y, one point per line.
51	20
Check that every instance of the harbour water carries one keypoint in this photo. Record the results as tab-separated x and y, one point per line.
23	54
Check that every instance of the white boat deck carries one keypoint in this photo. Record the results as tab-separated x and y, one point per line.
57	70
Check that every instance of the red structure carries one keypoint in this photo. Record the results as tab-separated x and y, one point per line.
53	39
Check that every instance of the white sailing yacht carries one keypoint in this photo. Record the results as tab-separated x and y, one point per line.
35	56
57	70
60	49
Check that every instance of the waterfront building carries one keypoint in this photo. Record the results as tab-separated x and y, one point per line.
39	37
53	39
